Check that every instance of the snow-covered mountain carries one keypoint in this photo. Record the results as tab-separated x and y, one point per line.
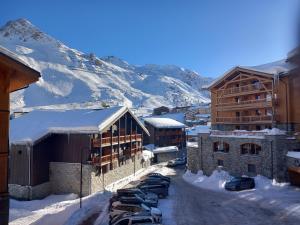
73	79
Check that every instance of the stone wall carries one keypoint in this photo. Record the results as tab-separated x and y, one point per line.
65	177
270	162
29	192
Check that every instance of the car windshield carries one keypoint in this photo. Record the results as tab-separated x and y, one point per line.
235	179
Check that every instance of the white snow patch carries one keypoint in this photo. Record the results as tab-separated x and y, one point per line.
164	122
292	154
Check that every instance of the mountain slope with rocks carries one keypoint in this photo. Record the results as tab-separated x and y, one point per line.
73	79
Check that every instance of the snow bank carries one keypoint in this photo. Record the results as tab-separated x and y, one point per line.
273	131
165	149
267	192
215	182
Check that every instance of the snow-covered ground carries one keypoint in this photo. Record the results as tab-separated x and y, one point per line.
267	192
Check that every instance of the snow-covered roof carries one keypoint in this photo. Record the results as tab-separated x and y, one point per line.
192	144
164	122
198	129
34	125
12	55
165	149
268	69
293	154
152	148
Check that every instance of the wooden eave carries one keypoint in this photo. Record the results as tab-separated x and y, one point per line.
20	75
234	71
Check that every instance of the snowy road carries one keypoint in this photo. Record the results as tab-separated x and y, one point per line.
196	206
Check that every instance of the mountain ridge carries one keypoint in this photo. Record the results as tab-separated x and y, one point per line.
71	77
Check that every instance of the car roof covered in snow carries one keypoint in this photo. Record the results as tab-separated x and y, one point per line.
34	125
164	122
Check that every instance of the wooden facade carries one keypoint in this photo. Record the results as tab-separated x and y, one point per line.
14	75
162	137
252	100
122	139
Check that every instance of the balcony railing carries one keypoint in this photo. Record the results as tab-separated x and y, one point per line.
237	133
241	89
257	103
106	141
244	119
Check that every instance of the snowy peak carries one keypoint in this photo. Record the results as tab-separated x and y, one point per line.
73	79
23	30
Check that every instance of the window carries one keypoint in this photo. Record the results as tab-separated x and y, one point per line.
220	162
237	114
221	147
249	148
251	168
258	127
257	112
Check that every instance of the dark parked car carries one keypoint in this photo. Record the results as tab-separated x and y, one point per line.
129	192
160	189
138	200
152	180
240	183
158	175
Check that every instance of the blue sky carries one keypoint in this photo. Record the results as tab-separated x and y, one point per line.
208	36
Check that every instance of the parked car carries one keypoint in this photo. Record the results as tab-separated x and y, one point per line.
138	200
151	180
119	208
158	175
240	183
127	192
160	189
130	219
176	162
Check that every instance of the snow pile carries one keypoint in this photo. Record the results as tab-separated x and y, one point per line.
147	155
215	182
164	122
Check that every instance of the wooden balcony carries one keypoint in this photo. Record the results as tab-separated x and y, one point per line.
241	105
244	120
104	159
243	90
238	133
106	141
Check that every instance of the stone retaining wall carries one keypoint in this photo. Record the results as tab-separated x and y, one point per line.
29	192
65	177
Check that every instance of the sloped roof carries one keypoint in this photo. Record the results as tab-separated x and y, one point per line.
268	69
164	122
23	74
35	125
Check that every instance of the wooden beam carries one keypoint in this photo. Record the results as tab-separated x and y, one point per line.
4	148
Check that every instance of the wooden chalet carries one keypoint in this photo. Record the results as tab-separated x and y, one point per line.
103	138
255	98
14	75
165	132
